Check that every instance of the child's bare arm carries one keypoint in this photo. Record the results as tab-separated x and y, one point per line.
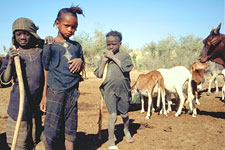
7	75
110	55
44	94
75	65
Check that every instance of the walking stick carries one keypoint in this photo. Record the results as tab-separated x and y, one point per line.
101	106
21	103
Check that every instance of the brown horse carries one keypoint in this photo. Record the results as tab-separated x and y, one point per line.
214	47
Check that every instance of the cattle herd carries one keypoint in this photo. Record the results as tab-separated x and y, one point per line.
179	79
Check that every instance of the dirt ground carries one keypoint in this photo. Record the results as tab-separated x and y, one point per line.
205	132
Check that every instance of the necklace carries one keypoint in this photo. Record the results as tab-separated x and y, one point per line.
65	44
67	53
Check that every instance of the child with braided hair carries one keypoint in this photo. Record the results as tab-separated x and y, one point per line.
62	61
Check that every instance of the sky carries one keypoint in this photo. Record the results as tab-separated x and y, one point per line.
139	21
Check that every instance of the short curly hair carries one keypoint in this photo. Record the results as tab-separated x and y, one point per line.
115	33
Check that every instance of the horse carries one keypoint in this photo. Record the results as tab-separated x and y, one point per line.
214	47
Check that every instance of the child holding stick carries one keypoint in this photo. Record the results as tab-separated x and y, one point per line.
116	88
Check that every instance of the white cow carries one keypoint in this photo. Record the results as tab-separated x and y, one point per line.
174	81
223	89
214	69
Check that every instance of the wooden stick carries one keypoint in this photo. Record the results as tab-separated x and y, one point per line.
101	106
21	103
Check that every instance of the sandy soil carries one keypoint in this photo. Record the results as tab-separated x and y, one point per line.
205	132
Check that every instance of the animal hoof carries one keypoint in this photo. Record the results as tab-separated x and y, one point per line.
194	115
147	117
207	93
177	115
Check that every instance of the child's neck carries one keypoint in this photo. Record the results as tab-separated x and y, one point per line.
61	39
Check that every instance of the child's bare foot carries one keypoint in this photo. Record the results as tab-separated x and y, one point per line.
128	137
114	147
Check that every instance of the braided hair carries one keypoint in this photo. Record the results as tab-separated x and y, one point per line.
73	10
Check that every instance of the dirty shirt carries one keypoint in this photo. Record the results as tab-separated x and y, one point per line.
116	88
55	60
33	78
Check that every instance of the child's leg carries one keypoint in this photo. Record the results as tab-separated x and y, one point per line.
52	136
69	145
125	118
111	128
37	127
71	117
24	140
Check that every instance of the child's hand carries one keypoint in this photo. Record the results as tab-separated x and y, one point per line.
49	40
104	59
12	53
109	54
75	65
43	104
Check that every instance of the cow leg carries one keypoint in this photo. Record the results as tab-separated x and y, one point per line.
168	98
192	105
149	106
182	99
163	103
142	104
158	98
223	91
217	88
210	83
196	98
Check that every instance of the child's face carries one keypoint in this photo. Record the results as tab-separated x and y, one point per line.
67	25
22	37
113	43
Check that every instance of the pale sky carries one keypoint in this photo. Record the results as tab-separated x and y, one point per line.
140	22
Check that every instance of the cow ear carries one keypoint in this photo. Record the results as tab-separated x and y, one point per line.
217	30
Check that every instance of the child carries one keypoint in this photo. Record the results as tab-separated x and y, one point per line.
116	88
29	48
62	62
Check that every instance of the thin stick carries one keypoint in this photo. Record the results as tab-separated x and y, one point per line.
21	90
101	106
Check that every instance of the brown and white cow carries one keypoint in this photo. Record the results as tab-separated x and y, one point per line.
147	85
197	70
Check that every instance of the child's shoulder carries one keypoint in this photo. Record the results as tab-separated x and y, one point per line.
74	42
124	54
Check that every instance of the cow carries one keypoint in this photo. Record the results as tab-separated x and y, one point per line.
175	80
223	89
197	70
215	70
147	85
214	47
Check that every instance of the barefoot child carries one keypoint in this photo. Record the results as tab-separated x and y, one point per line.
29	48
62	63
116	88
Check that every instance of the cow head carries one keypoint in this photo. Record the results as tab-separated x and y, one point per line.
198	66
210	43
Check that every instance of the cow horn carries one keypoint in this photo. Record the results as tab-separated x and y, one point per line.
219	26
